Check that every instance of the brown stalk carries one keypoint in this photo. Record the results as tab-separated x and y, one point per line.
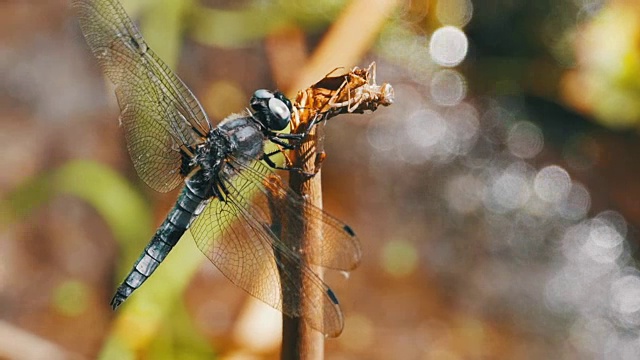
299	341
348	39
337	93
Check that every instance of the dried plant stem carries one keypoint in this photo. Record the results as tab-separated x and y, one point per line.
345	43
299	341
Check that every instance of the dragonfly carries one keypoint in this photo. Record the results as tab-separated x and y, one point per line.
228	194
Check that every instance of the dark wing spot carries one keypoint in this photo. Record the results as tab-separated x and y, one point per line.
141	47
349	230
332	296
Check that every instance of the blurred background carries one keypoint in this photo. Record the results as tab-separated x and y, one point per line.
496	200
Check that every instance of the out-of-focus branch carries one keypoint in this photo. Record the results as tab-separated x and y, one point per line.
16	343
347	41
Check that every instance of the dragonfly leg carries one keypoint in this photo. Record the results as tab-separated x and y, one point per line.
279	151
298	137
268	161
278	140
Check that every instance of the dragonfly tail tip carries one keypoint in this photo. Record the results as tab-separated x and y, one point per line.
117	301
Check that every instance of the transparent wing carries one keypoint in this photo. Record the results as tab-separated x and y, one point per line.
340	248
236	236
162	119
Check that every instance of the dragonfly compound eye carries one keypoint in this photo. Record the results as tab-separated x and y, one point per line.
280	114
285	100
259	99
262	94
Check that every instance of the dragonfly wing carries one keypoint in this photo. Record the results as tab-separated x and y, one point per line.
339	249
236	235
162	119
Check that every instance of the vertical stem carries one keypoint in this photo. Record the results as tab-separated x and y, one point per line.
347	41
299	341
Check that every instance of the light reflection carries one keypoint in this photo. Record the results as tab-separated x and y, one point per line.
379	135
463	193
590	335
525	140
602	254
448	46
523	211
359	333
603	235
425	128
626	295
615	220
399	258
590	282
624	347
463	127
552	184
476	161
508	190
454	12
448	87
577	203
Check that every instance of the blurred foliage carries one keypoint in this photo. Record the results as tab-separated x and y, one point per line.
163	21
606	82
400	258
101	187
237	28
70	298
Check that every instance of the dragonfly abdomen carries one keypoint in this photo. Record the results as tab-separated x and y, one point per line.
165	238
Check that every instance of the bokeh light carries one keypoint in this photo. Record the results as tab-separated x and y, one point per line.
448	87
464	193
71	298
359	333
525	140
509	189
448	46
454	12
552	184
399	258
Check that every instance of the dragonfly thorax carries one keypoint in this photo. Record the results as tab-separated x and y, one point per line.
237	136
236	140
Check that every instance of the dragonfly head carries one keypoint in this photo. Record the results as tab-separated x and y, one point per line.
272	109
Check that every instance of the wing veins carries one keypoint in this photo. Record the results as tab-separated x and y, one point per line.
345	253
